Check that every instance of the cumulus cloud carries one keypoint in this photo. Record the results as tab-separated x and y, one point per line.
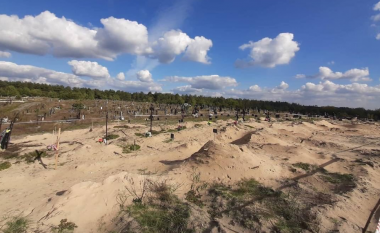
26	73
376	17
354	75
173	43
269	52
254	88
187	90
121	35
89	69
15	72
197	50
322	94
120	76
48	34
144	76
211	82
376	7
300	76
137	86
283	86
5	54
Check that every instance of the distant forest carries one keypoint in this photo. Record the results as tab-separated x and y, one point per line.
23	89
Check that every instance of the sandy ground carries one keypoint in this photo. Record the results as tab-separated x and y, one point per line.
90	176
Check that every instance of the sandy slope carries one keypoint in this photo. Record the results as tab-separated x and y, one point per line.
90	175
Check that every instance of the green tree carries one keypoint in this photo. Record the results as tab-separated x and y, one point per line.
11	91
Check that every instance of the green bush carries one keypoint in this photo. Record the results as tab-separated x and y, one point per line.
112	136
130	148
5	165
161	211
303	166
64	227
17	225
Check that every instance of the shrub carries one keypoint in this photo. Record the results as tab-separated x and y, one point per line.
303	166
64	227
159	210
16	225
5	165
343	183
130	148
112	136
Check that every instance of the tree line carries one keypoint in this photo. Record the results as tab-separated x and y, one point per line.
24	89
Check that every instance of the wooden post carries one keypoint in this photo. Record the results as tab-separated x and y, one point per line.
57	145
151	117
106	127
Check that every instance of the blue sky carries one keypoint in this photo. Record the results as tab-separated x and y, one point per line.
313	39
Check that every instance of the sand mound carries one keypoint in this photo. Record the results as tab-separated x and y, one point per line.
210	151
326	123
87	202
243	140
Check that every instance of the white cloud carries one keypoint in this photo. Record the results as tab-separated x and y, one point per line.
173	43
121	35
89	69
187	90
283	86
120	76
144	76
137	86
29	73
5	54
197	50
254	88
269	52
323	94
47	34
376	7
300	76
378	37
13	72
354	75
376	18
331	62
211	82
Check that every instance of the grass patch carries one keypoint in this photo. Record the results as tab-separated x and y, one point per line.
179	128
197	186
343	183
16	225
112	136
303	166
29	157
64	227
130	148
157	210
122	127
361	162
198	125
140	134
253	206
5	165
